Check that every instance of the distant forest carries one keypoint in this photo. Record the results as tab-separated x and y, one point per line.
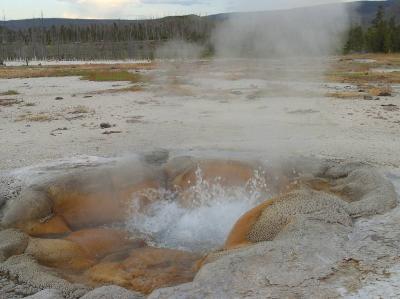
140	39
136	40
381	36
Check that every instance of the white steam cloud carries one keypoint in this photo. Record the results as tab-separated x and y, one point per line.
310	32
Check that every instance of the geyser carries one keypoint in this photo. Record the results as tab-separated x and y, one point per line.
146	226
201	221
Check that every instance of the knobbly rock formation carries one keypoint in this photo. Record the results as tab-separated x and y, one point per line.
58	253
307	243
266	221
53	225
83	199
364	193
102	199
319	236
147	268
27	272
47	294
30	205
367	191
12	242
99	242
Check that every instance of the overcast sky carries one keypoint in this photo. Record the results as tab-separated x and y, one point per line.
133	9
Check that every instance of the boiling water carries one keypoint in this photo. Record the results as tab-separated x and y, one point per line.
205	222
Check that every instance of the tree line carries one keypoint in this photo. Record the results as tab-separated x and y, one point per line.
140	39
136	39
381	36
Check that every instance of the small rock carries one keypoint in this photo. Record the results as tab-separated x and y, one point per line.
59	98
111	132
368	98
385	93
157	157
390	107
105	125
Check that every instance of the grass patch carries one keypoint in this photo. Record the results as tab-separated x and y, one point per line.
80	109
9	102
106	76
95	72
9	93
132	88
347	70
364	77
380	91
344	95
39	117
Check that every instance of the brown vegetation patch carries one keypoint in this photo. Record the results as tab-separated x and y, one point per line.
38	117
348	70
9	93
344	95
95	72
9	102
380	91
133	88
80	109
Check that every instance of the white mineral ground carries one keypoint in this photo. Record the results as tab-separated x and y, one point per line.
195	108
208	108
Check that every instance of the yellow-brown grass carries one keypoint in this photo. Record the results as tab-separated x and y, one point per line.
348	70
97	72
39	117
344	95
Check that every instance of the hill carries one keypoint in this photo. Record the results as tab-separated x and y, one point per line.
360	12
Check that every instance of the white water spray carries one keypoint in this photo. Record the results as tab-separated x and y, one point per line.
205	222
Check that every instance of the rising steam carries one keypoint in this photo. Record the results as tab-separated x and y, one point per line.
315	31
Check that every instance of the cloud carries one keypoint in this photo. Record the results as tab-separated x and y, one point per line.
119	3
273	4
176	2
97	8
101	3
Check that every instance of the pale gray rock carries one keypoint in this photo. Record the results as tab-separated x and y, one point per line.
368	191
47	294
112	292
12	242
325	247
31	204
26	271
295	263
305	202
317	253
157	157
10	187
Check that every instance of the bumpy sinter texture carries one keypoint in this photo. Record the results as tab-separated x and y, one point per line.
365	192
313	204
312	256
306	230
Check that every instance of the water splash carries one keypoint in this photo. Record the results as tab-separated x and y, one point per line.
198	219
